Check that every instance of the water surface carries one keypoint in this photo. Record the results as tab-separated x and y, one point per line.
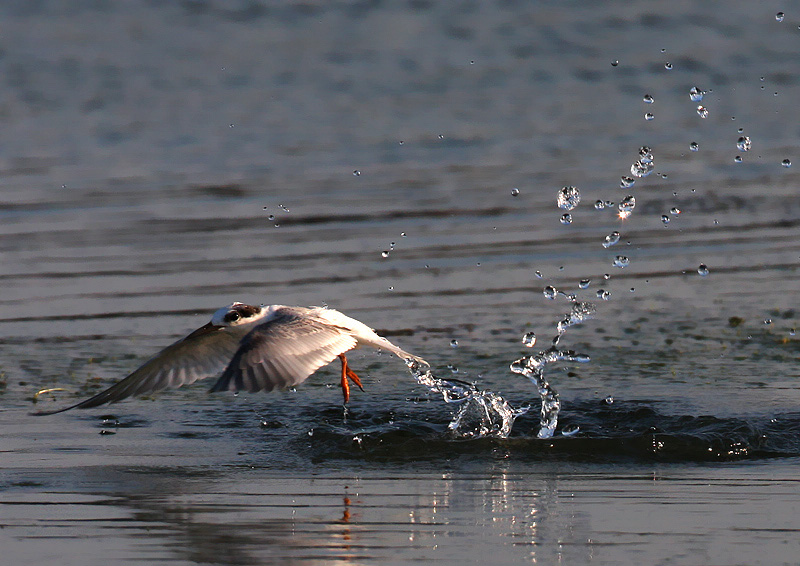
158	161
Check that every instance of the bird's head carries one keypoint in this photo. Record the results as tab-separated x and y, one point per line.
236	314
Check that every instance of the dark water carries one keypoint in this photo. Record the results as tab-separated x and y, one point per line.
160	160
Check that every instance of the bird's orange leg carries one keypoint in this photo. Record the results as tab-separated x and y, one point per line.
348	373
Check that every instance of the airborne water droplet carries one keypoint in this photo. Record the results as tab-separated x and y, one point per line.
603	294
675	210
611	239
550	292
668	66
642	168
538	274
737	159
694	146
357	173
454	343
786	163
648	116
696	94
626	206
584	283
743	143
599	205
626	182
702	111
665	219
384	254
702	269
566	218
648	99
568	198
621	261
529	339
514	192
779	16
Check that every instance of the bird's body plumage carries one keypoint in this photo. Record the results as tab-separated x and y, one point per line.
255	348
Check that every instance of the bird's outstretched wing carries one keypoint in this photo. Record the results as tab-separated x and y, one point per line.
203	353
283	352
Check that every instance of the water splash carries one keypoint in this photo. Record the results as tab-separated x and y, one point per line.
480	414
533	368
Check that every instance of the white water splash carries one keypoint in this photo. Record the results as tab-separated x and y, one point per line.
483	414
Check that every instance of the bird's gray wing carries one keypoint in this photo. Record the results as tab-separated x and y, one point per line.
202	353
283	352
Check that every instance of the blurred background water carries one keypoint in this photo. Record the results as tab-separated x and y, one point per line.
400	161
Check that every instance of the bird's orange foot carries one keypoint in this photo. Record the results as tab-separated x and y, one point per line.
348	373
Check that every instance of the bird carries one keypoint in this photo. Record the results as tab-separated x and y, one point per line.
256	348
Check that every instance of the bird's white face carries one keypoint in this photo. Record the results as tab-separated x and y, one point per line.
236	314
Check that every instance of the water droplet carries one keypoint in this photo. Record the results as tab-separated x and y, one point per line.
384	254
696	94
402	234
391	288
702	269
603	294
779	16
283	208
614	63
529	339
566	218
743	143
606	276
611	239
568	198
608	400
694	146
737	159
550	292
642	168
584	283
648	99
401	142
645	154
767	321
792	331
626	206
702	111
441	136
668	66
514	192
675	210
621	261
538	274
626	182
599	205
452	368
357	173
271	217
648	116
454	343
665	219
786	163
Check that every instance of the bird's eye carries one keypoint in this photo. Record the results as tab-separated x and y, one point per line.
232	316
